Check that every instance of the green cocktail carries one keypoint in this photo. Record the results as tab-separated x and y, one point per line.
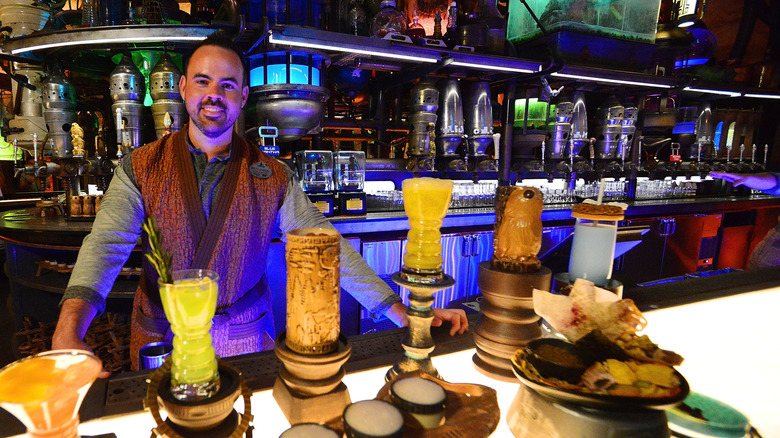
189	303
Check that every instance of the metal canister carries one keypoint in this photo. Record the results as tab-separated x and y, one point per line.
164	89
128	89
479	119
449	125
627	131
564	109
424	101
608	128
59	103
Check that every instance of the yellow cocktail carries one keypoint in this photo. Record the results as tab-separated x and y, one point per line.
426	201
45	391
190	303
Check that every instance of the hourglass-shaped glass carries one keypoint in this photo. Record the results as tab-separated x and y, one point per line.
426	201
190	303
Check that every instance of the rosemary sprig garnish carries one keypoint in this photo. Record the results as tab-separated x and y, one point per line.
158	257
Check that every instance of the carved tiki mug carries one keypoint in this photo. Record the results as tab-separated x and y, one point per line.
507	320
518	230
313	314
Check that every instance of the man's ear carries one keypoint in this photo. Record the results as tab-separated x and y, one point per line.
244	95
182	85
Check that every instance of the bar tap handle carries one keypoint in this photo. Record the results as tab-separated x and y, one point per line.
623	156
741	152
592	151
698	154
728	154
571	154
766	153
119	129
753	153
35	149
639	152
544	149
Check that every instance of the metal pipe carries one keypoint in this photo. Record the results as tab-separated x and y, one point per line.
505	145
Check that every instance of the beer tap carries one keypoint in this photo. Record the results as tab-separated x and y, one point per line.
572	175
119	132
639	154
766	152
592	150
35	150
729	166
742	166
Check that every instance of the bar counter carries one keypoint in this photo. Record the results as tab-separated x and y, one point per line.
729	344
23	225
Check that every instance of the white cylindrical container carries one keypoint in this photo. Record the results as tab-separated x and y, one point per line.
422	398
593	250
373	419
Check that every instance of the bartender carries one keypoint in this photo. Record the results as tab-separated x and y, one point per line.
218	202
767	253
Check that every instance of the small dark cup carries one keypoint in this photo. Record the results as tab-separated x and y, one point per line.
558	359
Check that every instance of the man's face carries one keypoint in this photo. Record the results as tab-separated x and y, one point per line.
213	89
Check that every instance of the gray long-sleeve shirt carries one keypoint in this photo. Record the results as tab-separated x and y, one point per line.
117	228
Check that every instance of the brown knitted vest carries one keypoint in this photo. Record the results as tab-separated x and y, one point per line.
165	176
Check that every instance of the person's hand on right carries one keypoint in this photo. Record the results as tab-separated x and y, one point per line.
757	181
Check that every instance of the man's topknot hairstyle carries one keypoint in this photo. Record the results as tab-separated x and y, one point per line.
223	40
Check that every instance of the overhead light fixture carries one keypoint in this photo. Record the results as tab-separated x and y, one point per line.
276	39
130	39
709	91
612	81
491	67
763	96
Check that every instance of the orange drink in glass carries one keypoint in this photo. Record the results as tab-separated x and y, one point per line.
45	391
426	201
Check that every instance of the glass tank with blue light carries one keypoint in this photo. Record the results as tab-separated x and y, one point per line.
633	20
286	68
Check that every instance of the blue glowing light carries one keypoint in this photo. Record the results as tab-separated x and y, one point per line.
684	128
277	74
718	132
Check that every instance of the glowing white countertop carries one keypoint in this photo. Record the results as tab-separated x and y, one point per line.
730	344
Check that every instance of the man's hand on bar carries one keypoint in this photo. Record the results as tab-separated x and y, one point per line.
757	181
457	317
74	320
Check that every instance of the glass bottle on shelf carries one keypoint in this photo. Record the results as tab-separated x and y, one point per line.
416	30
89	13
356	17
490	16
437	26
450	37
388	20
